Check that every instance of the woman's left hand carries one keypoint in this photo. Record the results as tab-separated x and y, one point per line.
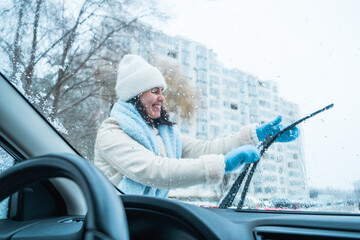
275	126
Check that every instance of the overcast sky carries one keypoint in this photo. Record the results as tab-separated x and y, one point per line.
310	47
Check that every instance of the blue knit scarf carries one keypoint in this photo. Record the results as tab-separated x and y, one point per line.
135	126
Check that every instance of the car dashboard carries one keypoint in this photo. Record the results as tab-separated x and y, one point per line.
154	218
185	221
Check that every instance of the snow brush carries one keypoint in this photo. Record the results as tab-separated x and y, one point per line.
265	144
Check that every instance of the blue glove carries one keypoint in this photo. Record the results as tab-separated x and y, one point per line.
273	127
244	154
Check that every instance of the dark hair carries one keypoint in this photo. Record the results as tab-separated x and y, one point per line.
162	120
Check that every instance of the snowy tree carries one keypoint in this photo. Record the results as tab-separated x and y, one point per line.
57	50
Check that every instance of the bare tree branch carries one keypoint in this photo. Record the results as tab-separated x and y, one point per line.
70	31
79	101
16	43
95	49
29	70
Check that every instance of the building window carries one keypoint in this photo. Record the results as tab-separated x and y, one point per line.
279	159
282	181
231	116
201	51
185	59
242	110
233	94
202	87
185	127
160	50
214	104
185	46
276	108
264	94
295	183
172	54
269	167
214	116
214	92
201	76
253	112
201	63
252	92
264	103
201	128
214	131
184	130
232	84
214	80
242	88
213	68
202	116
235	128
228	72
233	106
229	105
263	84
243	121
258	190
294	174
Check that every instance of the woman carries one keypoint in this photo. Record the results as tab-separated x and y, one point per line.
142	152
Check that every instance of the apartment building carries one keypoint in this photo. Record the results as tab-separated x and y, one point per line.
231	99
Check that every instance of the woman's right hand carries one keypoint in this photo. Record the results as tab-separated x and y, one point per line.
244	154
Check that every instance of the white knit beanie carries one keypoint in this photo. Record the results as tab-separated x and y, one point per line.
135	76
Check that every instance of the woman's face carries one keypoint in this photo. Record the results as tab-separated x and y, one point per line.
152	101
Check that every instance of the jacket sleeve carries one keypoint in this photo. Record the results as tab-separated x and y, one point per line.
194	148
133	160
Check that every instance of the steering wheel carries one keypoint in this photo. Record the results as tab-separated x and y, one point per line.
106	216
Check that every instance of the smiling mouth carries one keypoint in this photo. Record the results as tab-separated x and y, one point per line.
157	107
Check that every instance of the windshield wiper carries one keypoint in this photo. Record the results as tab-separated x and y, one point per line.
270	139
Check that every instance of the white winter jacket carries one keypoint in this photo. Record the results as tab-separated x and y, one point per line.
202	162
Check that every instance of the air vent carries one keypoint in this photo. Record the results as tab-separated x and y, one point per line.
72	220
289	233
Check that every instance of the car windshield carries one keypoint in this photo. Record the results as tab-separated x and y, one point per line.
227	63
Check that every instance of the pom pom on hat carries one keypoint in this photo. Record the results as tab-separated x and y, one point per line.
136	76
